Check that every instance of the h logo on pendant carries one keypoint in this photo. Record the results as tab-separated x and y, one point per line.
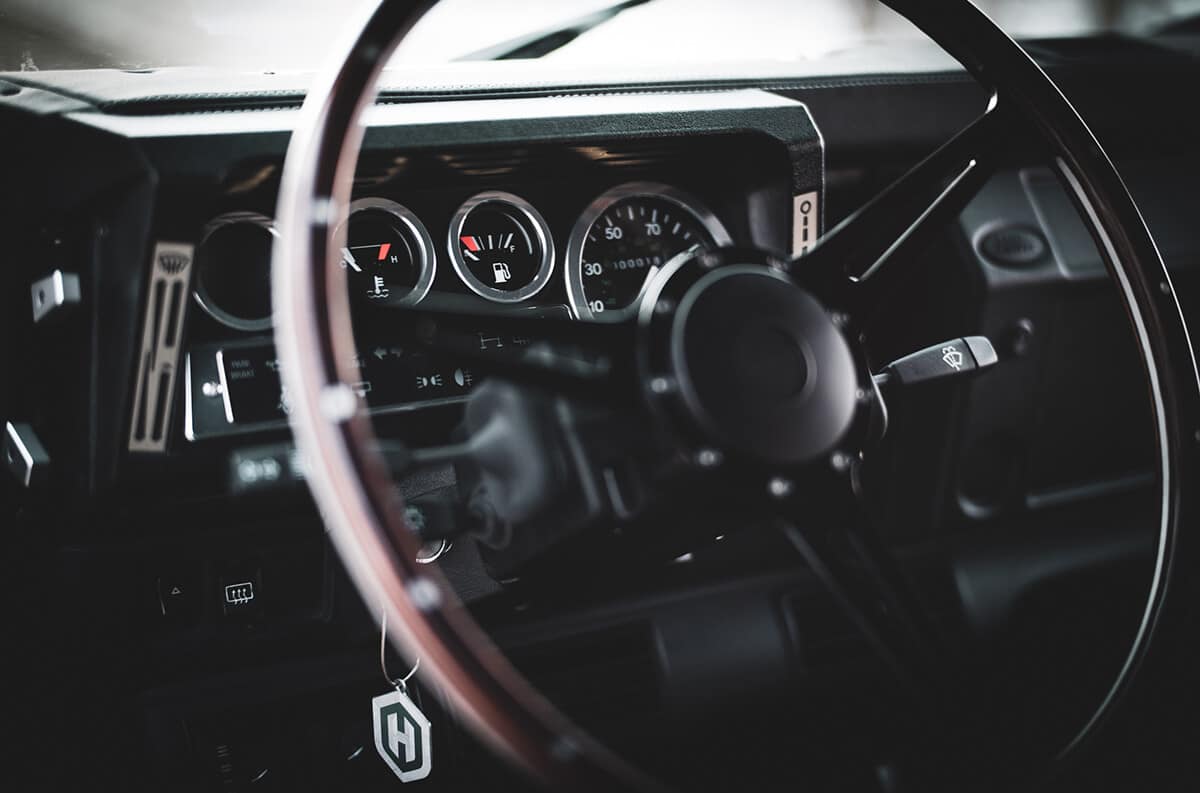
402	736
398	736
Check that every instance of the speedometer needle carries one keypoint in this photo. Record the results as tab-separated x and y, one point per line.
348	260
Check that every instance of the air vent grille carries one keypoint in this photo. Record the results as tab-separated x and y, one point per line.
158	361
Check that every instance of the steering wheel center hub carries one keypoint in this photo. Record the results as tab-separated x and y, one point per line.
761	365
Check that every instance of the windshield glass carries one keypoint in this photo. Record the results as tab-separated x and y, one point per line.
296	34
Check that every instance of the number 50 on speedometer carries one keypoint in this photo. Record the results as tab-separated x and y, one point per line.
626	235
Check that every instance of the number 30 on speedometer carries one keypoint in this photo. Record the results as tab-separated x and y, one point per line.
627	234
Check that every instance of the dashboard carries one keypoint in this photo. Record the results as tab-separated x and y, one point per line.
564	227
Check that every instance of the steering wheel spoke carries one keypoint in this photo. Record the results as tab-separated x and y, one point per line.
875	591
893	225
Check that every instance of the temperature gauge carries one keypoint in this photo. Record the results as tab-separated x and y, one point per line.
501	247
388	255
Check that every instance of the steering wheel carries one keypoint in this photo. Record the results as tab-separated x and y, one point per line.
785	451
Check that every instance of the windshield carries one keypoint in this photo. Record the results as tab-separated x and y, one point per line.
296	34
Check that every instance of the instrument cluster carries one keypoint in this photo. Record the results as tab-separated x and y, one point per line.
497	244
496	247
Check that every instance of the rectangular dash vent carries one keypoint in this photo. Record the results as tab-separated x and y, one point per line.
158	358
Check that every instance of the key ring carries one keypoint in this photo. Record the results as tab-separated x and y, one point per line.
399	683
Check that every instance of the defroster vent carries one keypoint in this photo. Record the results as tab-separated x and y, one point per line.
158	360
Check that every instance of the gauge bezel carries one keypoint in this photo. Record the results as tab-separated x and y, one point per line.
541	230
425	248
573	266
201	295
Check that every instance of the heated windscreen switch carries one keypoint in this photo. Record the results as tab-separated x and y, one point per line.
240	589
955	358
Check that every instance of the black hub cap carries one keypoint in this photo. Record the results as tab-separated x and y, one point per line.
759	363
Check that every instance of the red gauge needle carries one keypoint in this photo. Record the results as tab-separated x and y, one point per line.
471	244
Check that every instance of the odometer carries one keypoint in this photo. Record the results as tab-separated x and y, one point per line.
624	236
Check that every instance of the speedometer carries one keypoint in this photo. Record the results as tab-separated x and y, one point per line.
626	235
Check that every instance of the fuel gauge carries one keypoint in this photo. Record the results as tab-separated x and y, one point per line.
501	247
388	255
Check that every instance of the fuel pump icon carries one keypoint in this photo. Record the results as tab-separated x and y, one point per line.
501	273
